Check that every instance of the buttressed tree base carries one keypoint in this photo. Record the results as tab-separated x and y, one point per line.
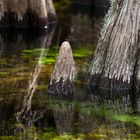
116	63
26	13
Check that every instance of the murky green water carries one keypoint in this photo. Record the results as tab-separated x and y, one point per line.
27	60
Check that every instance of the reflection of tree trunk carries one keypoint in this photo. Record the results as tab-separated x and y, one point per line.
123	101
15	60
86	25
51	10
33	80
110	107
115	61
63	114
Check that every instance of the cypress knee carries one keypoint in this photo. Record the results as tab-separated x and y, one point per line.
63	75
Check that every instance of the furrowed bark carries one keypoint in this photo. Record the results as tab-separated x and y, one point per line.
63	75
115	60
26	13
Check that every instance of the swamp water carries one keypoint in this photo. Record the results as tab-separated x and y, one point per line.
27	60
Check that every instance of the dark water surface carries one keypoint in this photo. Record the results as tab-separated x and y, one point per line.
27	60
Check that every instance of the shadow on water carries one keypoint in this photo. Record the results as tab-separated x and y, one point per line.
27	60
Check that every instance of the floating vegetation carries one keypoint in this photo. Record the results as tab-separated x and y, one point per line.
128	119
61	5
103	130
8	138
41	87
47	60
51	54
3	61
82	52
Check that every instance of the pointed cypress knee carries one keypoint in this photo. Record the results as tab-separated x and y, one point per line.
61	84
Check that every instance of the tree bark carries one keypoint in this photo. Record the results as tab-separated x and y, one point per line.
26	13
116	63
63	75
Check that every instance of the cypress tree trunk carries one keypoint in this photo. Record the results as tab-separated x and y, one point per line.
116	63
26	13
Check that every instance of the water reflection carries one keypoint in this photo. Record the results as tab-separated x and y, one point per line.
19	72
63	115
26	63
46	42
17	60
119	111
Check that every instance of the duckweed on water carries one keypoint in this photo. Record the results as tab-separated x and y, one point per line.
47	60
61	5
82	51
41	87
51	55
128	119
55	136
8	138
84	110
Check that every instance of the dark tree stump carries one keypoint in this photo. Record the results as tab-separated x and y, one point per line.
61	83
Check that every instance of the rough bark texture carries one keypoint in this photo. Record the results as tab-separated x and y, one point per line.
26	13
116	61
63	74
